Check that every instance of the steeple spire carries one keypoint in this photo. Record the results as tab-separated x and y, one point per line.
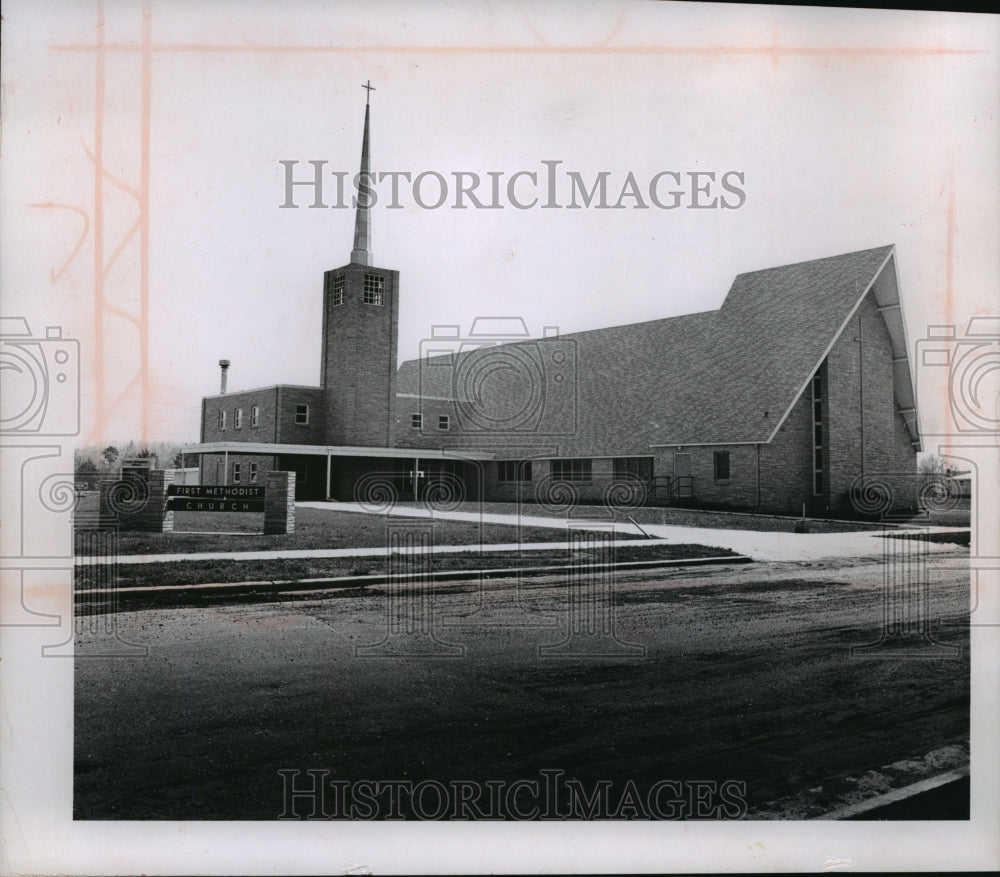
362	252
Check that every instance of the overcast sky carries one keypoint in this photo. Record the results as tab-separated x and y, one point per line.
851	129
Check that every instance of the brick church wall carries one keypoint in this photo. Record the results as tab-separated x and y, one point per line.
862	405
786	463
265	399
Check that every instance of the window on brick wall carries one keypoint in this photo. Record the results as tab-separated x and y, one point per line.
514	470
255	415
337	291
238	418
572	470
721	465
416	421
301	415
374	289
443	422
237	471
633	467
222	420
818	431
252	474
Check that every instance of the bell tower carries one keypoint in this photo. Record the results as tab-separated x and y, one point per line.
360	332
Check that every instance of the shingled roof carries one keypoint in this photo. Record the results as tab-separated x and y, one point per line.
728	376
771	333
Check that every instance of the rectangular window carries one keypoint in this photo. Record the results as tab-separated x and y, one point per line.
443	422
416	421
817	406
572	470
255	415
238	418
253	473
374	291
222	420
337	291
721	461
640	468
514	470
236	473
301	415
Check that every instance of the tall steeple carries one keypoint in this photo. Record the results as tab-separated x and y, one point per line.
360	337
362	252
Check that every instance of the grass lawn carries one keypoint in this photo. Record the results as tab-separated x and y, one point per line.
314	528
191	572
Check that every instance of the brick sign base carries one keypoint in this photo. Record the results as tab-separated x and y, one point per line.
147	501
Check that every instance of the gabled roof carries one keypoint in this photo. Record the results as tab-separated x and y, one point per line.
772	332
729	376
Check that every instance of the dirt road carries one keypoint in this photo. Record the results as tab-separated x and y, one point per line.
690	680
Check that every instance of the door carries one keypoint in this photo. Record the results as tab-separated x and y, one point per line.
682	476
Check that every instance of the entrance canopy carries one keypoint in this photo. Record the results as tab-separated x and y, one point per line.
267	448
349	473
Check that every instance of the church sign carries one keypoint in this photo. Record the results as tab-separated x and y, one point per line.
214	498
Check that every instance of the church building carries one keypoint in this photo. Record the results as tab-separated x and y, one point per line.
785	398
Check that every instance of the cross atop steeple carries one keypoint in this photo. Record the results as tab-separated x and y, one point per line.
368	85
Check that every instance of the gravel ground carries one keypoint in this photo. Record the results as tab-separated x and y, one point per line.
742	675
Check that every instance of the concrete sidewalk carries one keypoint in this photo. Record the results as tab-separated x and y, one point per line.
378	551
758	545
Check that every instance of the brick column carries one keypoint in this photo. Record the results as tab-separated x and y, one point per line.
138	503
279	502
